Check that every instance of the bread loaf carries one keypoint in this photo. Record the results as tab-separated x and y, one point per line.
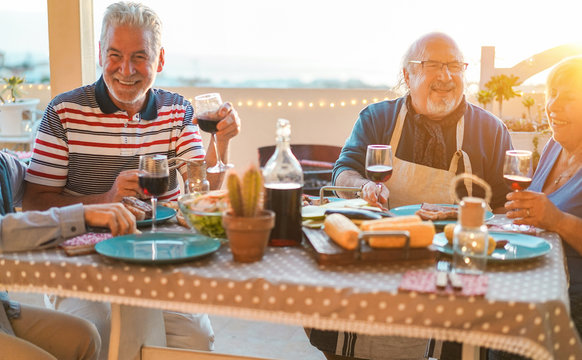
135	205
421	232
139	215
342	231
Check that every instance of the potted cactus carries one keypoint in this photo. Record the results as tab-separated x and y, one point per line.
247	224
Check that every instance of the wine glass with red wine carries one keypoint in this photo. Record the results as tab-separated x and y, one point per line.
517	173
206	109
518	169
379	163
154	178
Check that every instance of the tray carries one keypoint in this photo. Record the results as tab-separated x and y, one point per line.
328	252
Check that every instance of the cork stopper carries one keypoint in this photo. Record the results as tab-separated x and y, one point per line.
472	212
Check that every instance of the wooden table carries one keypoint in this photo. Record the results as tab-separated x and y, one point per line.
525	309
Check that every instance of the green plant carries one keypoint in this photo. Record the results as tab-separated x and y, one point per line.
245	195
501	86
528	102
484	97
13	86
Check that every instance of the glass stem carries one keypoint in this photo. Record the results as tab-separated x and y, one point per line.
154	206
218	161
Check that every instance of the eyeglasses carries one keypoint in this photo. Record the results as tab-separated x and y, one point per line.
434	66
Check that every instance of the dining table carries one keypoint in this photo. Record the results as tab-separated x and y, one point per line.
524	310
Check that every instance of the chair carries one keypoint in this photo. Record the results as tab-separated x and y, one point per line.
316	160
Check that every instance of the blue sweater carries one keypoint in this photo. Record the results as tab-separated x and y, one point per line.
567	198
485	141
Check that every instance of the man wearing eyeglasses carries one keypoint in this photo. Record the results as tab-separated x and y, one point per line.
435	134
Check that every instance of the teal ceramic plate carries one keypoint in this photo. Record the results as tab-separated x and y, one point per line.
520	246
158	248
163	214
411	209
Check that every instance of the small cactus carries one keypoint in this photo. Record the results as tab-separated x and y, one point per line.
245	198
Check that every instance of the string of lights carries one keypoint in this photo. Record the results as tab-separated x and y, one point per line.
268	103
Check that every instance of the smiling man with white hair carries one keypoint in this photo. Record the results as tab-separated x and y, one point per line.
435	134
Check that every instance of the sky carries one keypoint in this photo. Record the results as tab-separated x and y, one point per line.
325	38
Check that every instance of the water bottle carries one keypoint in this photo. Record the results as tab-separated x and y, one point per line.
470	238
283	189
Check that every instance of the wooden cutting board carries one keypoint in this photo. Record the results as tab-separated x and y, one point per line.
328	252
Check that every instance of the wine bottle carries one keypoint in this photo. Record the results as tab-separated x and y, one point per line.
283	189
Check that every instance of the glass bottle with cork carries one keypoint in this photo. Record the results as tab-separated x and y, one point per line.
283	189
470	236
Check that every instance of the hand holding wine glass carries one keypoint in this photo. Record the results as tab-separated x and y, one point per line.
379	164
206	108
517	173
154	178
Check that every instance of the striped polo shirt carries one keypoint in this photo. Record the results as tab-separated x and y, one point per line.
84	140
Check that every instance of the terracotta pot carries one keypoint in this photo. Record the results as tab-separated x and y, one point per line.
248	236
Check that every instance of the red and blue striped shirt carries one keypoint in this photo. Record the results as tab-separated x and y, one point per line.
85	141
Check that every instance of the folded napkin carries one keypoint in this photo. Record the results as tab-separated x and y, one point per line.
83	244
425	282
512	228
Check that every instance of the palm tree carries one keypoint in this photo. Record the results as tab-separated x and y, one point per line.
528	102
501	86
484	97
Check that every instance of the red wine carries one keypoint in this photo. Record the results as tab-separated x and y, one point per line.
207	125
379	173
516	182
285	200
154	185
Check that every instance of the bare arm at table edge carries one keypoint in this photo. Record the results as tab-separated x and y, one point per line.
42	197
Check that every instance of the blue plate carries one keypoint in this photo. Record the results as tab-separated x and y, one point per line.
163	214
158	248
411	209
520	246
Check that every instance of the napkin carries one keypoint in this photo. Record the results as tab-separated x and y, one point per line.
83	244
521	229
425	282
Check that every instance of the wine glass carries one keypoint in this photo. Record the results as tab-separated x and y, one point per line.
154	177
379	163
517	173
206	109
518	169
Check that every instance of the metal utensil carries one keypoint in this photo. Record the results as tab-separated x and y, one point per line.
442	274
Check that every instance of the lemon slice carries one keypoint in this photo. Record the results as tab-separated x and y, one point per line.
312	212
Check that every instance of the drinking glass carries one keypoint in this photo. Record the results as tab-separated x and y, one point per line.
518	169
517	173
206	109
379	163
154	177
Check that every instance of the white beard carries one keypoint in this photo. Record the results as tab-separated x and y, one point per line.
445	106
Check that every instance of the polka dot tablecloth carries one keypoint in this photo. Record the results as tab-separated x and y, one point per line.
525	309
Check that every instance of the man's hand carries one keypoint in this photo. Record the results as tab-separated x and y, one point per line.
114	216
229	126
375	194
126	184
